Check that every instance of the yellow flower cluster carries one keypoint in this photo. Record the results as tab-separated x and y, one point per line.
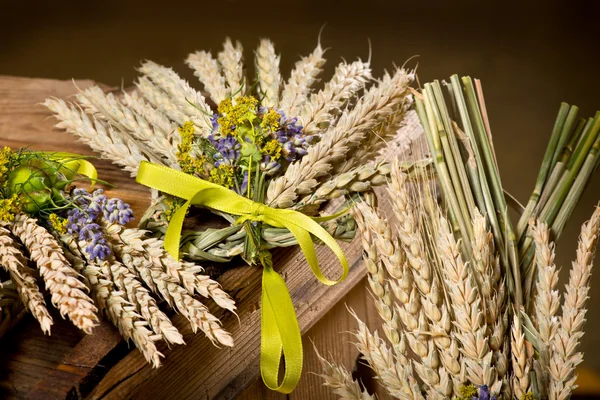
187	162
58	223
236	114
467	392
9	208
6	155
272	148
222	175
270	122
173	204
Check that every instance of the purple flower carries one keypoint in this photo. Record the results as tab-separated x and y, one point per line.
213	121
228	150
82	220
98	247
116	211
244	186
269	166
484	394
92	203
294	143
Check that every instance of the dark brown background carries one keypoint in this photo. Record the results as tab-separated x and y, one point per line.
529	55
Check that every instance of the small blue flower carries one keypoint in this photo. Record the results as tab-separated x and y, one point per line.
290	135
116	211
244	186
98	247
269	166
82	220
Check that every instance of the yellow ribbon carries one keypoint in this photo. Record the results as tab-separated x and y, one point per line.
76	163
280	330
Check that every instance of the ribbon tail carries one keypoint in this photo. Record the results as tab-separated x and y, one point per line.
308	248
173	234
280	333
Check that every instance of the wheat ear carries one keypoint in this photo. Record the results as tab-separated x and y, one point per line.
302	78
397	378
546	301
269	78
429	311
186	99
377	139
105	106
161	124
491	287
301	177
15	263
161	101
114	302
153	275
62	281
565	356
208	72
99	136
232	62
373	242
341	382
521	362
357	180
322	107
470	329
184	273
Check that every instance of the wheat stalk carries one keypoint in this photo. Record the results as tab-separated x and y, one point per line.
546	301
15	263
161	124
62	281
114	302
183	273
208	72
372	240
396	377
566	341
269	79
232	62
426	283
105	106
341	382
185	99
321	108
377	140
151	272
161	101
301	177
357	180
303	76
521	362
470	330
101	137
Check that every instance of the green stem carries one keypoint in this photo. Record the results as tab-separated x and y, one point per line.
546	167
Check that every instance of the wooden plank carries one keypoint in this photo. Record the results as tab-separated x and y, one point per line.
191	370
34	365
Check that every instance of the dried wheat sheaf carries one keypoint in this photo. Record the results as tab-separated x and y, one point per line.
448	323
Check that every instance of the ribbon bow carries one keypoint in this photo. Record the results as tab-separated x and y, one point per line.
75	163
280	330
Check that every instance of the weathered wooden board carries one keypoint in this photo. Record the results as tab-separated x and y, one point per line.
68	362
73	365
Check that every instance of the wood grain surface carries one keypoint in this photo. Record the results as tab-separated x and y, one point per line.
69	363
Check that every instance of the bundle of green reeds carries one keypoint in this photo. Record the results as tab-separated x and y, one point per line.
469	301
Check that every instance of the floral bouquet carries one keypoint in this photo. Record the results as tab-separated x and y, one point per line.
469	304
87	258
265	157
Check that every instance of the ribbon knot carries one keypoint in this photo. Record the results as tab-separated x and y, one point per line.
280	330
